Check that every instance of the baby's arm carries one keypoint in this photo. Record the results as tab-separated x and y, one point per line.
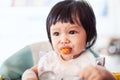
30	74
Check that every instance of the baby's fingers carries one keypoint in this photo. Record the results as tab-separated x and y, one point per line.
90	73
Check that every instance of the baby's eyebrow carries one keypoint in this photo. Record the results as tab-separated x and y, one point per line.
75	27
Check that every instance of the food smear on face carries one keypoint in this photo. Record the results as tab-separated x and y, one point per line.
66	50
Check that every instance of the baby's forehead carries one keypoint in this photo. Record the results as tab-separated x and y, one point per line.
73	19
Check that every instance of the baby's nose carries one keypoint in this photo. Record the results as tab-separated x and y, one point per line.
64	39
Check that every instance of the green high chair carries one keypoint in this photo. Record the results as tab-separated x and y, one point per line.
13	67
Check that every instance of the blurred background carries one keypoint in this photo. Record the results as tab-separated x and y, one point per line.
22	22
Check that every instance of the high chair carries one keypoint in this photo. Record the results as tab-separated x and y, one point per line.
13	67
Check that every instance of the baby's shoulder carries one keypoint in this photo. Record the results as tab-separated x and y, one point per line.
48	57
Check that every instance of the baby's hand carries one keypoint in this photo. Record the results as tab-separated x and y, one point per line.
35	69
96	73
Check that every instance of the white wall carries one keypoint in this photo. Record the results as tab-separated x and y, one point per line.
108	25
20	27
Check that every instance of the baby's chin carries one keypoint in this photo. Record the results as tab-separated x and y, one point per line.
67	57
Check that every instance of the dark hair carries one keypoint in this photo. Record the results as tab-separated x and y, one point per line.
74	11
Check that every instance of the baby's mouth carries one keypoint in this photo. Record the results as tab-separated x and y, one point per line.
66	50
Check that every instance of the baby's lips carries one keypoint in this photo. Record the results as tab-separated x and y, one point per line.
65	50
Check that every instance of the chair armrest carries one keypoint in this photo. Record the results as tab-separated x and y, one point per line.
15	65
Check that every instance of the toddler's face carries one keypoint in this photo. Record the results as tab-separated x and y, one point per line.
71	37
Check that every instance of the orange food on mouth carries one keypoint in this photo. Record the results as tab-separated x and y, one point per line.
66	50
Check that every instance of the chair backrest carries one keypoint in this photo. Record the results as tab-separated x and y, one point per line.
39	49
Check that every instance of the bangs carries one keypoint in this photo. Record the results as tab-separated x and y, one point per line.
65	14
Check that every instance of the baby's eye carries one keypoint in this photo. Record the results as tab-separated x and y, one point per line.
72	32
56	33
